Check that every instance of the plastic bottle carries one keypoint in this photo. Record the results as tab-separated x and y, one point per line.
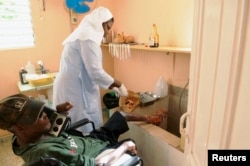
161	87
42	68
154	37
22	75
30	68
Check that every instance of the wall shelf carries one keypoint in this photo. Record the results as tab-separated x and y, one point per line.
166	49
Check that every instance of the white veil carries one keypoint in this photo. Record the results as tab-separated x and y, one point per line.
91	26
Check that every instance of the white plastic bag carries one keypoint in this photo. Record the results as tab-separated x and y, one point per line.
161	87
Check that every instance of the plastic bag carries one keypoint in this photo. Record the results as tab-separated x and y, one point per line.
111	100
161	87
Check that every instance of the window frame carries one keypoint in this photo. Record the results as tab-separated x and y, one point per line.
16	25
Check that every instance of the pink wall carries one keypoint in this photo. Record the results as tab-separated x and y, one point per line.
174	19
51	27
49	35
143	69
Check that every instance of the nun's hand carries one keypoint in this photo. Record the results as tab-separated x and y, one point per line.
121	91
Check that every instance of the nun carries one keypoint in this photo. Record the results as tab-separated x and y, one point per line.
81	72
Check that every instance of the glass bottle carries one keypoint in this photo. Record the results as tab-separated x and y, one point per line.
22	75
154	37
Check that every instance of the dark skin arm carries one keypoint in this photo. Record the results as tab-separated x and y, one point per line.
116	83
64	107
155	118
106	28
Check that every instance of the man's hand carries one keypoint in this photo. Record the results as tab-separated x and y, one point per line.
64	108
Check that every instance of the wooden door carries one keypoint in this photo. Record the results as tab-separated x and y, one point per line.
219	90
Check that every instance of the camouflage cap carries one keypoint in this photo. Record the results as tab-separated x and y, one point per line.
19	109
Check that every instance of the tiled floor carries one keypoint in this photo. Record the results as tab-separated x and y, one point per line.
105	115
7	157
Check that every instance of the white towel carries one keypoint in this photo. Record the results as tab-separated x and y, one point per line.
120	51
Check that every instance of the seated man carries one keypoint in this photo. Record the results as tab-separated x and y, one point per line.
25	118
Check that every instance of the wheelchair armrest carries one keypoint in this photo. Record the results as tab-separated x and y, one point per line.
81	123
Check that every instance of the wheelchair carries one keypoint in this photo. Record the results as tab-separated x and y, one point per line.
127	159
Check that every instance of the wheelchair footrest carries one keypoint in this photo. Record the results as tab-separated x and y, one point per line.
134	160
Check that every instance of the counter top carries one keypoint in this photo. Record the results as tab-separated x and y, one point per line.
159	104
29	87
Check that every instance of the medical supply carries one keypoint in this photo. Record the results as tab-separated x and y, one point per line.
120	51
22	75
42	68
40	79
30	68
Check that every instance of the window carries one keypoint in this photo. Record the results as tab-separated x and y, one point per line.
16	29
